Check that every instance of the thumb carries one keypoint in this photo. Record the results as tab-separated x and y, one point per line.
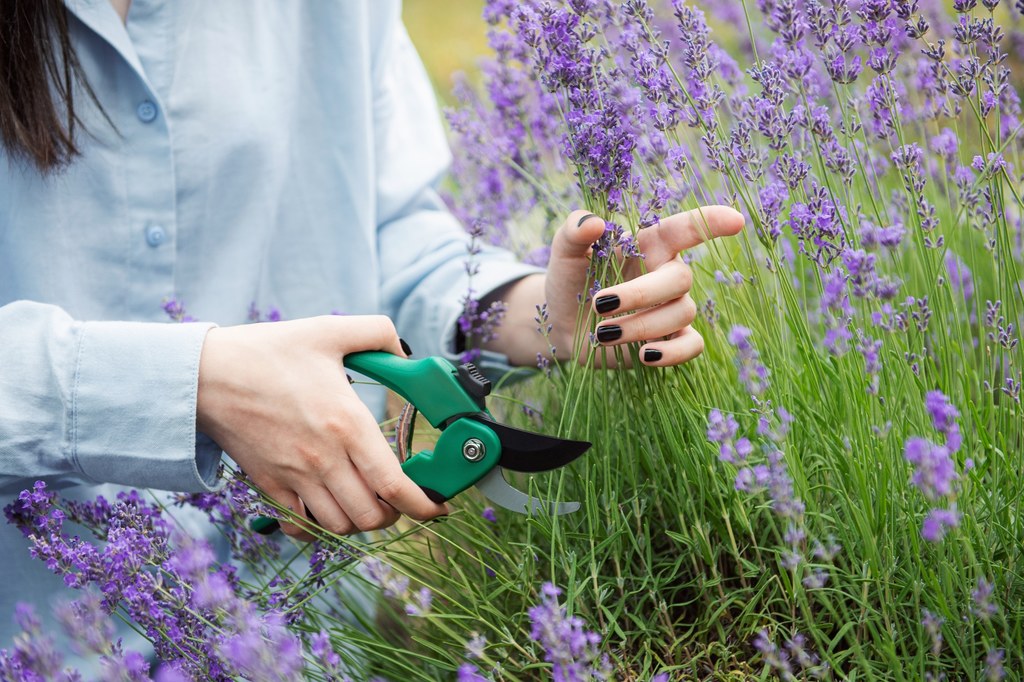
571	248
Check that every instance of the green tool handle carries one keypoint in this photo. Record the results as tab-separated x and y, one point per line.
466	449
431	384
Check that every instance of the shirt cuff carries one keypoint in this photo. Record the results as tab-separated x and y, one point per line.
492	276
133	407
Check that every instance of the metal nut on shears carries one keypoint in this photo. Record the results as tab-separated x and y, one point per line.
473	450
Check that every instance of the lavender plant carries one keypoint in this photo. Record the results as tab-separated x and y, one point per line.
841	459
832	490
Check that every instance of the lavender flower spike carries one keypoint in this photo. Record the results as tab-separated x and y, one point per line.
571	650
934	470
753	373
944	416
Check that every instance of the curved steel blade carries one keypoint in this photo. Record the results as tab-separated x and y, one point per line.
530	452
498	491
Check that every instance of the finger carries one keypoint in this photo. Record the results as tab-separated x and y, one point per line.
380	469
665	239
291	502
652	323
683	347
346	485
571	248
670	281
325	506
351	334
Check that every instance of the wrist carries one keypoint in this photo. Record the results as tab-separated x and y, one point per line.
518	337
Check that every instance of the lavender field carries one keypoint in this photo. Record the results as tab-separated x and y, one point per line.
832	490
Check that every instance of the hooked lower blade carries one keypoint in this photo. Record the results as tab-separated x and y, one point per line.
498	491
530	452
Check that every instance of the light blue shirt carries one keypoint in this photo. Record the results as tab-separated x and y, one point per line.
262	152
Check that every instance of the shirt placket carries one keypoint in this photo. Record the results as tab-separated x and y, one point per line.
146	139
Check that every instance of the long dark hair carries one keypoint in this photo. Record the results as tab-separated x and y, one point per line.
38	72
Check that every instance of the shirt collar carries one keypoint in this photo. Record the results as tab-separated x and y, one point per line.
100	16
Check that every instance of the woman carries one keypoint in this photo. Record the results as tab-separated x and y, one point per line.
233	154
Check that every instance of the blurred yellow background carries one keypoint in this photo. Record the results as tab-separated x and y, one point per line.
450	36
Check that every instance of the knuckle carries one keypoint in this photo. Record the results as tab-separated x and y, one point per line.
698	345
370	519
384	325
313	460
293	531
420	515
640	328
689	309
342	527
641	297
685	276
391	487
335	426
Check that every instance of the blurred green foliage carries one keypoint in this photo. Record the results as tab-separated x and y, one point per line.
450	36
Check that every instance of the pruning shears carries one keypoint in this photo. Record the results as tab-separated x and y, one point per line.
473	448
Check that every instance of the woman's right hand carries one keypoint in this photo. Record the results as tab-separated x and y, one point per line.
276	398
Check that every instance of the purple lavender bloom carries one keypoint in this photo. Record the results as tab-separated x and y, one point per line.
475	646
774	657
946	144
722	429
420	602
262	648
393	584
773	197
172	672
981	598
34	657
539	256
571	650
175	310
469	673
818	225
752	372
959	275
118	666
994	669
477	326
934	469
937	522
90	627
489	514
990	165
834	297
944	416
188	609
323	651
933	626
843	69
816	579
229	509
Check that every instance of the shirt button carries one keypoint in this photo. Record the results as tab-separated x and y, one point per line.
155	235
146	111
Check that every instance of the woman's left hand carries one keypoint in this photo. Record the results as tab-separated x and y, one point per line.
653	306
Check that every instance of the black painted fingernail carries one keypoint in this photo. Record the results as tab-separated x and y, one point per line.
609	332
606	304
652	355
405	346
584	219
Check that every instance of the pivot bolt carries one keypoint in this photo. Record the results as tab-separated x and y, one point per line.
474	450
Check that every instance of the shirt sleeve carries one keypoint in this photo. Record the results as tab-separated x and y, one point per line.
100	401
423	248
